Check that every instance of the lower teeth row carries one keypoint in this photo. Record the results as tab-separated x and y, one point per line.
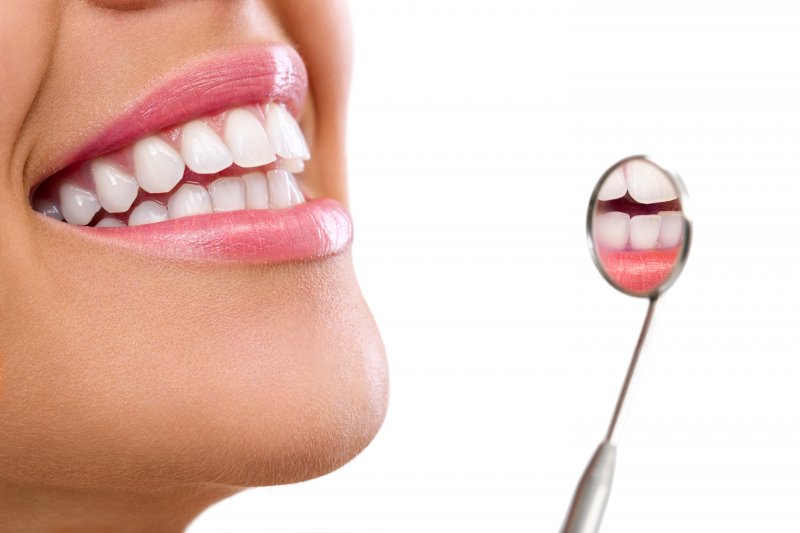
277	189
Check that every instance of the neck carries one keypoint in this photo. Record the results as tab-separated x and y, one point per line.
160	510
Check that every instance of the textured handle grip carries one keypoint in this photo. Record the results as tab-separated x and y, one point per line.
591	495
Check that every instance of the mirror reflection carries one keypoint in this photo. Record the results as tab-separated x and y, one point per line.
638	226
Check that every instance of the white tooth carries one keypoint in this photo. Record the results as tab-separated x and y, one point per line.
256	186
647	184
109	222
280	192
295	166
47	208
148	212
227	194
190	199
644	231
294	191
247	140
613	187
157	165
612	229
671	228
284	133
116	189
203	150
78	205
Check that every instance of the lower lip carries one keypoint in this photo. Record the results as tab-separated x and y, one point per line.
312	230
639	271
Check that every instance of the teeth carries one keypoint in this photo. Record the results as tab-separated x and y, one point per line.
109	222
612	229
647	184
295	166
644	231
256	190
615	186
203	150
189	200
227	194
47	208
285	135
247	140
148	212
158	167
116	190
78	205
283	191
294	191
671	231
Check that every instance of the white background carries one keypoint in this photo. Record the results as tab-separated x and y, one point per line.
478	130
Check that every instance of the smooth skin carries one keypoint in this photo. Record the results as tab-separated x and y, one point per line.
136	392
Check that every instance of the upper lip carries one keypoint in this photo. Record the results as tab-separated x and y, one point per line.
221	79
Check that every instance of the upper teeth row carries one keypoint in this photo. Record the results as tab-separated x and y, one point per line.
248	137
646	184
644	232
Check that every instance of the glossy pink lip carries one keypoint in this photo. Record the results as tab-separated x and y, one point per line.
312	230
246	75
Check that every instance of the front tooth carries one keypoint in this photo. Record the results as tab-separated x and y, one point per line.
157	165
116	189
644	231
247	140
280	189
191	199
47	208
148	212
227	194
203	150
648	184
109	222
612	229
613	187
671	231
284	133
78	205
256	190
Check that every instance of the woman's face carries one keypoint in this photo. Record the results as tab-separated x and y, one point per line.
231	348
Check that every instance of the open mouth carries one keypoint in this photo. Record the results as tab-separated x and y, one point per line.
638	226
205	166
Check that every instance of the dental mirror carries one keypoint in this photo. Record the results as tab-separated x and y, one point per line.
639	234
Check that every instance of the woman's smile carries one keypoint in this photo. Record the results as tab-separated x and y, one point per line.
210	161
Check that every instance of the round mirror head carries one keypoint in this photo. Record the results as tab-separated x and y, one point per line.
638	228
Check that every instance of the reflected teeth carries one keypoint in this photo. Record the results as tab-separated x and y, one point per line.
284	133
620	231
644	231
615	186
671	229
247	140
647	184
263	137
613	229
189	200
158	166
78	205
116	190
148	212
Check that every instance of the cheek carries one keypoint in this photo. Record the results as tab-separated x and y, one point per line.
242	376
